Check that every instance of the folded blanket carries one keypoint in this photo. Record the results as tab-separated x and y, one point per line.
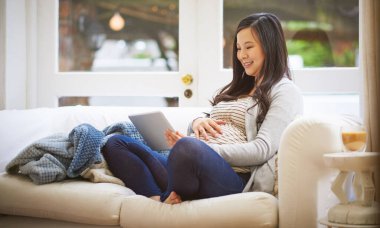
99	173
58	156
86	141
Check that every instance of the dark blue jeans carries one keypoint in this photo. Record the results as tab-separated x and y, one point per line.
193	170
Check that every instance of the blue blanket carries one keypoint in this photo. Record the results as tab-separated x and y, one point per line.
59	156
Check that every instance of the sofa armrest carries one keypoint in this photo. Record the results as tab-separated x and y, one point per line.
304	180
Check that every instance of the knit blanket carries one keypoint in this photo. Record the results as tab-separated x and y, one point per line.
60	156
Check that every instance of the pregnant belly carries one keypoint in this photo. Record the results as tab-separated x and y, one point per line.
230	134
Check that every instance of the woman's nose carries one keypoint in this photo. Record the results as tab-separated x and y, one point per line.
243	55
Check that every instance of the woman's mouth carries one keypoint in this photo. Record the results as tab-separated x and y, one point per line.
247	64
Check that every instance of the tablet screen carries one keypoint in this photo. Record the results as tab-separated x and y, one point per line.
152	127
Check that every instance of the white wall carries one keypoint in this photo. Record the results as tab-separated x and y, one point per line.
14	35
334	103
2	54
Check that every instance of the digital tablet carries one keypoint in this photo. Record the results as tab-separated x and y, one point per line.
152	127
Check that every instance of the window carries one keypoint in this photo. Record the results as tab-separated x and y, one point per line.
135	101
192	46
318	33
315	79
114	50
118	35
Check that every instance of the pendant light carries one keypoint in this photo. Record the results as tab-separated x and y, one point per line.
117	22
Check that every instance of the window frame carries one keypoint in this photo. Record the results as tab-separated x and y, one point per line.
164	84
204	60
313	80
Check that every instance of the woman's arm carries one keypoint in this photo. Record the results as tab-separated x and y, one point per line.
285	106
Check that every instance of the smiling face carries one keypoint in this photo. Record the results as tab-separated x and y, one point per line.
249	52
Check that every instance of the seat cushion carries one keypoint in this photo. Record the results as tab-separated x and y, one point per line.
17	221
111	204
250	209
69	200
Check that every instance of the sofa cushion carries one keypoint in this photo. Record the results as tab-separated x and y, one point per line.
250	209
16	221
69	200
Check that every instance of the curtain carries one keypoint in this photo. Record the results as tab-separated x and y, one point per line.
370	24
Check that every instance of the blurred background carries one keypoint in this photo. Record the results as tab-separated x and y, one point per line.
143	36
133	35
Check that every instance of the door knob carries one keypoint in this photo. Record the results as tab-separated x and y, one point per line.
187	79
188	93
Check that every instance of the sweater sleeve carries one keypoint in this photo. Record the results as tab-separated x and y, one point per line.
286	104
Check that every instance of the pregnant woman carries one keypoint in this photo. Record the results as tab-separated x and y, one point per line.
234	148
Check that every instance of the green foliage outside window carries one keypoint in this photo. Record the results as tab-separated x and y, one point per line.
317	54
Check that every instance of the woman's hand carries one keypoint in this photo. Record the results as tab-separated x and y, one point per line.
202	126
172	137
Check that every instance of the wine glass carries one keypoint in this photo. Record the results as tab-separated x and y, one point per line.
354	138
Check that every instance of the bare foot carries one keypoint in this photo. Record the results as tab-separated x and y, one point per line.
173	198
156	198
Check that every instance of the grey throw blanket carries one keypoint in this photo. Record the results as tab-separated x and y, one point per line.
59	156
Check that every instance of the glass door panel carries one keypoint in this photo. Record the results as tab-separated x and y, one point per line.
317	66
118	35
318	33
119	49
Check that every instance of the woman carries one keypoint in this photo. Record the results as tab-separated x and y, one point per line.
234	149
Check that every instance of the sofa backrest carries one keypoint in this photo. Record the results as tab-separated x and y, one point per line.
19	128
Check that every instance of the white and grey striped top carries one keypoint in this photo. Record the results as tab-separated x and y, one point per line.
233	131
259	153
233	113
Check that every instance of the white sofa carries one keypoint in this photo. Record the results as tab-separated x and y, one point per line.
304	192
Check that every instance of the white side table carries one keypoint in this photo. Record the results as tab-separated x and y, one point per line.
324	221
363	210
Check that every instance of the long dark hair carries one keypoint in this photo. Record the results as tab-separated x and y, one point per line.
267	28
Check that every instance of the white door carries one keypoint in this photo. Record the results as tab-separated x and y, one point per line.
201	55
53	83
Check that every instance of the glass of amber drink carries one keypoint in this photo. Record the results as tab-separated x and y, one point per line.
354	138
